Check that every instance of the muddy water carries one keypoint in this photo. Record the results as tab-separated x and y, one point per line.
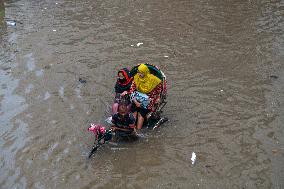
225	100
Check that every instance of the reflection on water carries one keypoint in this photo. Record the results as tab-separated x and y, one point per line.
223	65
13	132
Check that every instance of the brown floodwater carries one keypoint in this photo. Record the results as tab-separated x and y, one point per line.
224	65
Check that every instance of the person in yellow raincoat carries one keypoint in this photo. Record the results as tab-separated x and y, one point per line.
148	87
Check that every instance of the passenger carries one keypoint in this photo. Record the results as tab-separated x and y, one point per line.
149	85
123	121
123	83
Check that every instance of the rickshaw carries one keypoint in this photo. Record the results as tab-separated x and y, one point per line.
153	119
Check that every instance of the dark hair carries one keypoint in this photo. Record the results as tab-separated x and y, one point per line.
123	100
122	109
122	103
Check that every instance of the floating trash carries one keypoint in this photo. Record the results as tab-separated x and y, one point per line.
138	44
82	80
132	45
193	158
166	56
274	76
11	23
54	30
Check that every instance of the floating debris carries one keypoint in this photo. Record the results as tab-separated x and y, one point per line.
193	158
82	80
274	76
47	66
166	56
138	44
54	30
11	23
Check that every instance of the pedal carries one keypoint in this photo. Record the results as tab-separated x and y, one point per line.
160	122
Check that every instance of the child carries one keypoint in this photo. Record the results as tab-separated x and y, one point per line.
123	83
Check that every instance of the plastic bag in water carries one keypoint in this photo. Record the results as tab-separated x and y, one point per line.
193	158
142	98
11	23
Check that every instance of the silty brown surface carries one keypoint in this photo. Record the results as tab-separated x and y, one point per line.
225	93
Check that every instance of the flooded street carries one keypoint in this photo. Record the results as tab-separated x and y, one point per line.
224	66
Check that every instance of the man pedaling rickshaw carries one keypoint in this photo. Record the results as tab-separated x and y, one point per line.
123	121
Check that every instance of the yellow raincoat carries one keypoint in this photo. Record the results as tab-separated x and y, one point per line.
148	82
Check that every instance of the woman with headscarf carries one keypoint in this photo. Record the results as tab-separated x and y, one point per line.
148	87
123	83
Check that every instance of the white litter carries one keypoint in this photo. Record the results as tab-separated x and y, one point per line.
221	90
138	44
56	3
131	45
166	56
54	30
193	158
11	23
